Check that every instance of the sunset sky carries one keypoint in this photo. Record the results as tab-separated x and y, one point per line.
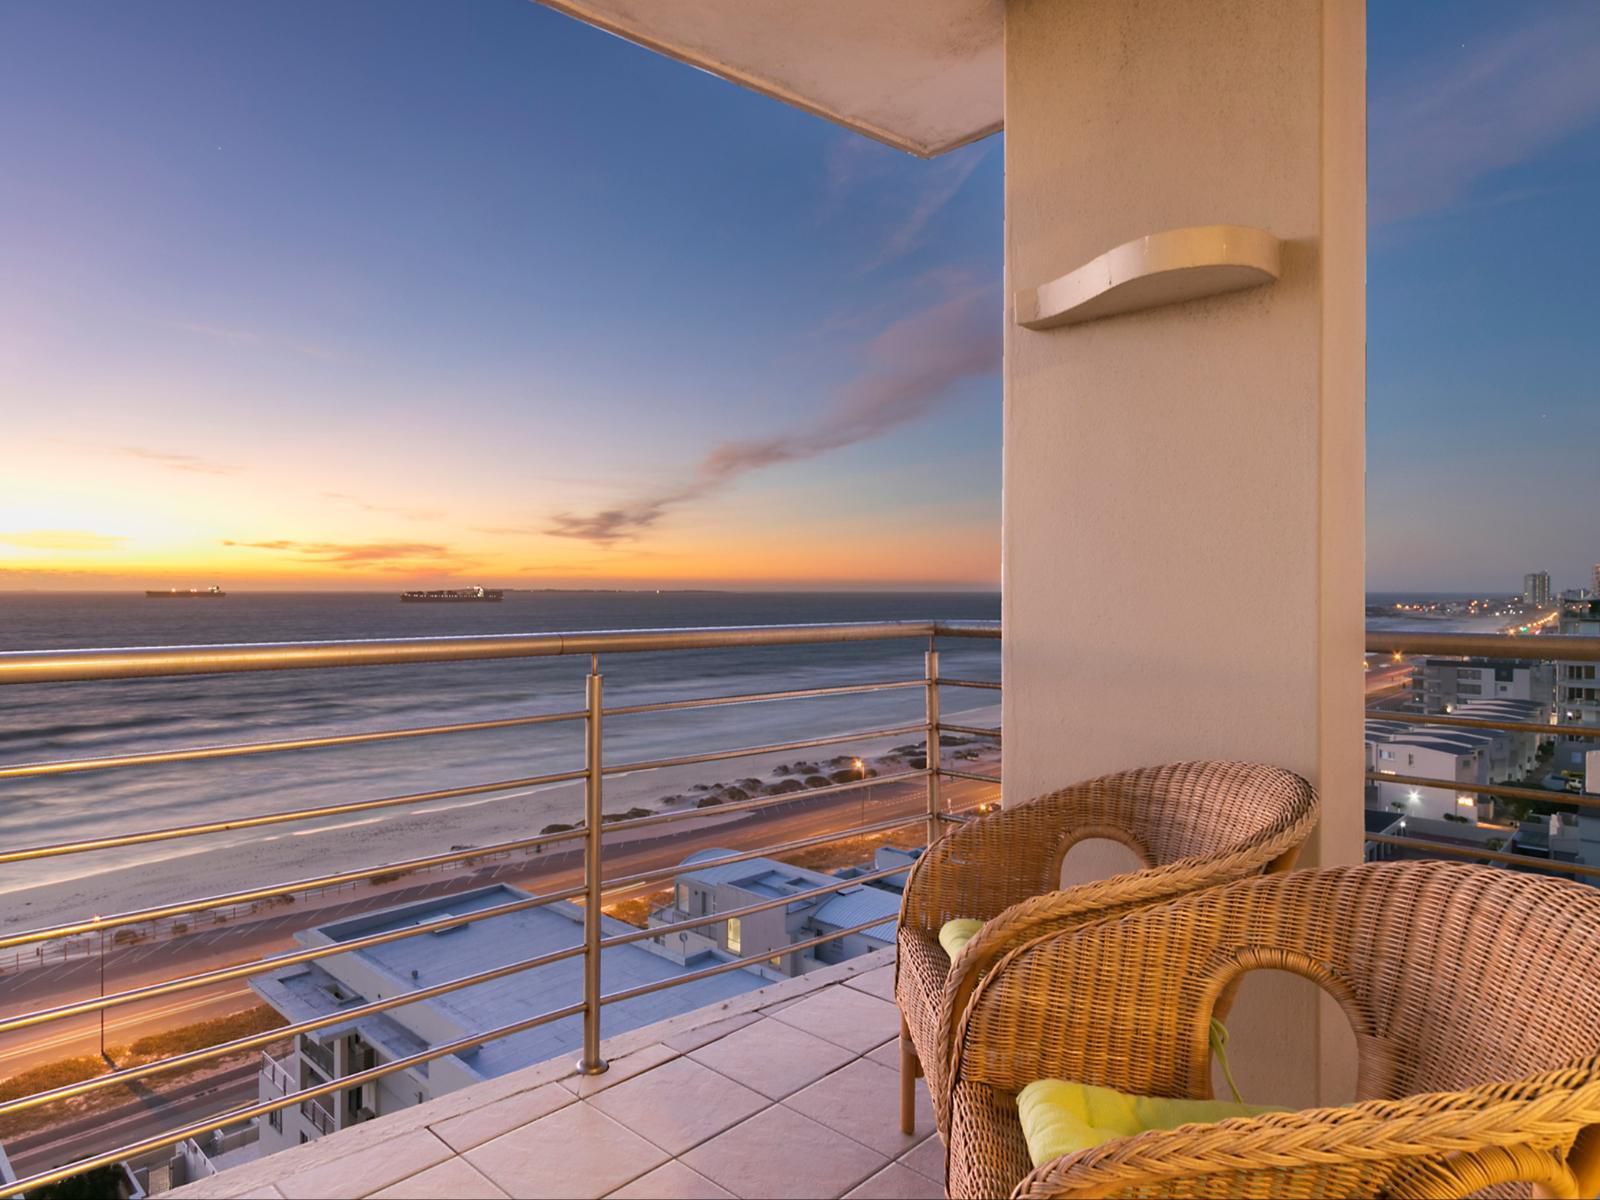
392	292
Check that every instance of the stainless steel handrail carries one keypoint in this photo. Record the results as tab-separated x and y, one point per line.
1422	644
70	666
67	666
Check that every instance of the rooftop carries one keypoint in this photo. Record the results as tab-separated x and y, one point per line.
794	1090
418	962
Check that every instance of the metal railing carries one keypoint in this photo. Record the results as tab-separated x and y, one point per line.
85	665
1549	648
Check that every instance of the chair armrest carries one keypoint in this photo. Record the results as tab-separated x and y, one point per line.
1465	1141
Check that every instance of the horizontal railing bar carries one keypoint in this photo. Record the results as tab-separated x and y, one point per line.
685	760
61	666
967	629
310	1025
199	753
1544	728
300	814
657	873
232	1116
1489	789
259	966
952	773
976	730
628	710
987	684
757	803
1548	648
1495	856
645	934
661	985
96	924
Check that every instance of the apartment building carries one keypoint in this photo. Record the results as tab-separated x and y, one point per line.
324	987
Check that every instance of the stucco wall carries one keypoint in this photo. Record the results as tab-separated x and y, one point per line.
1183	487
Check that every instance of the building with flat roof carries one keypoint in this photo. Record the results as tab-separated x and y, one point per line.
722	887
342	981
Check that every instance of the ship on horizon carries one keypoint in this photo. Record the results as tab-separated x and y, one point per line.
210	593
453	596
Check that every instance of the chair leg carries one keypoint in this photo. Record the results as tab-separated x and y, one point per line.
910	1068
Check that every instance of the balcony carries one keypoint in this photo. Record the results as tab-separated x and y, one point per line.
791	1090
523	954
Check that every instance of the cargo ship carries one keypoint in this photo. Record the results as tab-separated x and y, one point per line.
453	596
211	593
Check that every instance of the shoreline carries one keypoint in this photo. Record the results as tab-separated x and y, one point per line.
408	833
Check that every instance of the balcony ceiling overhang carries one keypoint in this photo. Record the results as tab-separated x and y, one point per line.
923	75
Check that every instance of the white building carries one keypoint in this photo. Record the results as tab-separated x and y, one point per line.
702	891
327	985
1397	748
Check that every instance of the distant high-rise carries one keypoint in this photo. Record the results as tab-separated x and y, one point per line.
1596	591
1536	589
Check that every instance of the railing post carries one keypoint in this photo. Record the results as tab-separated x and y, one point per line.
591	1063
935	802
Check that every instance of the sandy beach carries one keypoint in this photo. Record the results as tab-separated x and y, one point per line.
194	871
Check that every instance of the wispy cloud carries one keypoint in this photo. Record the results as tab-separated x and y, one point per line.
410	514
945	178
911	366
858	171
387	556
1490	105
74	540
180	462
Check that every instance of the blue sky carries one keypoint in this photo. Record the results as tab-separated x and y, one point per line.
299	294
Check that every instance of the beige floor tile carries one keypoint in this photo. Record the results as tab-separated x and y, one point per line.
368	1170
454	1177
576	1151
862	1101
888	1054
622	1068
471	1129
679	1104
879	983
693	1039
926	1158
672	1181
844	1016
772	1057
778	1153
896	1182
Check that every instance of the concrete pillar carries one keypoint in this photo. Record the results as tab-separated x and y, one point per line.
1183	545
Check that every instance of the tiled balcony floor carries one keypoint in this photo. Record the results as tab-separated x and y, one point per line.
792	1090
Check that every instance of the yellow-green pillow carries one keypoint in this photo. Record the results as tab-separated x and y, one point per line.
957	933
1060	1117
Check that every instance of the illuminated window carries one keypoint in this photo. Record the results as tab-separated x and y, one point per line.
734	933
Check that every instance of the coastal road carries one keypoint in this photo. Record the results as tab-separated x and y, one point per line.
111	1128
141	965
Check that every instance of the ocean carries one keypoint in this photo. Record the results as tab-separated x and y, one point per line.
53	721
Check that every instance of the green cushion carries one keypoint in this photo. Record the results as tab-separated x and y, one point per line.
957	933
1059	1117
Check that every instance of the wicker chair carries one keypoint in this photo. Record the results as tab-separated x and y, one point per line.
1454	978
1192	824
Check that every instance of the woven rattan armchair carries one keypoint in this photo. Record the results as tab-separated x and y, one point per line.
1193	825
1474	995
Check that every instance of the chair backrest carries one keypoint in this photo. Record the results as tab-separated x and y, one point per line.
1181	810
1451	976
1209	821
